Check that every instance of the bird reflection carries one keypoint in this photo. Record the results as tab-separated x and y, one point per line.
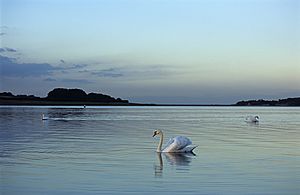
178	160
158	168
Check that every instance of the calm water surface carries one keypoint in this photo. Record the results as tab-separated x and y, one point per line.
110	150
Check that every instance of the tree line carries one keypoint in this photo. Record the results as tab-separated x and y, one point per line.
63	94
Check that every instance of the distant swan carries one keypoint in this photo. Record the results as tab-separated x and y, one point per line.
177	144
252	119
44	117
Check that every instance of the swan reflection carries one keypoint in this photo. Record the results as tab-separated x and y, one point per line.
252	119
178	160
158	168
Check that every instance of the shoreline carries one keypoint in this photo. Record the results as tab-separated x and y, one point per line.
78	97
82	103
70	103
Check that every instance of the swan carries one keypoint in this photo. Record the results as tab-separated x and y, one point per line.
44	117
179	144
252	119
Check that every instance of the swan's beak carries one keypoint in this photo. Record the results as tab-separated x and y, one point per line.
154	134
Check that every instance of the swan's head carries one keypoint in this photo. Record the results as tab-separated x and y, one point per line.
156	132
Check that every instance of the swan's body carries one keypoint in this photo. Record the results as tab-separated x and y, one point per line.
177	144
44	117
252	119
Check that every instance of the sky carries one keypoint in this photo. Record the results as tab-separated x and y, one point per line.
154	51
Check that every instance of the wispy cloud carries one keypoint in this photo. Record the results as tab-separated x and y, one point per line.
134	71
73	67
49	80
77	66
151	71
3	28
7	49
81	81
110	72
10	67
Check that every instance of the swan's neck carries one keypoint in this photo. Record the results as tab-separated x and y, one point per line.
160	142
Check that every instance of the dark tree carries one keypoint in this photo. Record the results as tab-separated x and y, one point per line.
6	94
281	102
61	94
100	97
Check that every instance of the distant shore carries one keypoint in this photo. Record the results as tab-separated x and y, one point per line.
78	97
10	102
73	103
14	102
57	103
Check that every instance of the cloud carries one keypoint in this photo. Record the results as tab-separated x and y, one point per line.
152	71
11	68
80	81
83	71
84	81
49	79
74	66
110	72
2	28
78	66
135	72
7	49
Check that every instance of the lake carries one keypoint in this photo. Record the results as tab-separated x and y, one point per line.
110	150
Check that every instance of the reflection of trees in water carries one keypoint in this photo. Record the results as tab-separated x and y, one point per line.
173	159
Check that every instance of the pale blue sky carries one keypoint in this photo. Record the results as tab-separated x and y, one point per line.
209	51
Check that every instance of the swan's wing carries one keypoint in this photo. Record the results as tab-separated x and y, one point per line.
182	142
176	144
171	140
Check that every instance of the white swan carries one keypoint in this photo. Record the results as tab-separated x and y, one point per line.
252	119
177	144
44	117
